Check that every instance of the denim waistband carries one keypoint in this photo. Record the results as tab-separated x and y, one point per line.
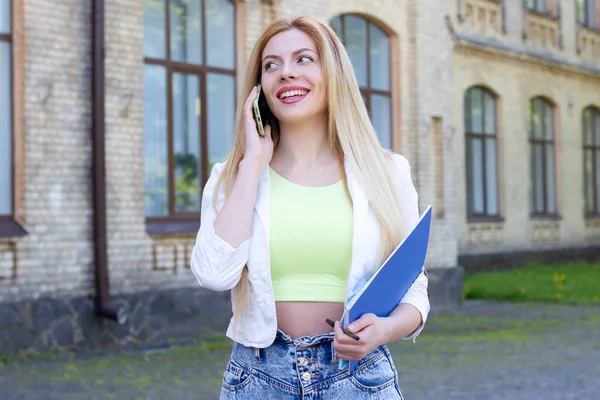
307	361
303	341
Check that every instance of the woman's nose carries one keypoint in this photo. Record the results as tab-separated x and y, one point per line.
287	72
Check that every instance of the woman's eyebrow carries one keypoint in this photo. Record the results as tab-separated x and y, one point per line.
294	53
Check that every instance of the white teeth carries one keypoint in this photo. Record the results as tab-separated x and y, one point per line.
292	93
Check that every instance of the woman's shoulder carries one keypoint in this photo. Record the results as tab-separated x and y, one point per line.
217	168
399	163
215	172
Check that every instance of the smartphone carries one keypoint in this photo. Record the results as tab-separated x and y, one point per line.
260	103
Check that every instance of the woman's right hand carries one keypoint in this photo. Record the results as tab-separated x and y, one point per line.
259	149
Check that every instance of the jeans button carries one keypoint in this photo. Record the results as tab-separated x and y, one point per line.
303	362
306	376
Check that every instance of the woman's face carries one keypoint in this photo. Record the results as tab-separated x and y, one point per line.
292	78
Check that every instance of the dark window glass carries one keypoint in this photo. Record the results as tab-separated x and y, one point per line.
481	153
541	139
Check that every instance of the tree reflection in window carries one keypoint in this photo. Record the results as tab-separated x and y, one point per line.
189	100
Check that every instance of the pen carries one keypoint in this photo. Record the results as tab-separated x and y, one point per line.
346	331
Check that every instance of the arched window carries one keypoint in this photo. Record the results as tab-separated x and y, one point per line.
591	160
541	139
189	101
481	150
369	48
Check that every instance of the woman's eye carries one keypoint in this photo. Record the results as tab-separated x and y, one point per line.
268	65
305	58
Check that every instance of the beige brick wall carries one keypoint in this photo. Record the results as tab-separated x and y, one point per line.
515	80
432	97
51	258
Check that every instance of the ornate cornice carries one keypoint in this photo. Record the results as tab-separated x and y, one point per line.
501	52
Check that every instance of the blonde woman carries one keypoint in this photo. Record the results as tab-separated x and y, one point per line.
297	220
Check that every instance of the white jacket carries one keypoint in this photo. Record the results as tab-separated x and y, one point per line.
218	266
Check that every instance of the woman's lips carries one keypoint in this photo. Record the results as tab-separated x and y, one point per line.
293	99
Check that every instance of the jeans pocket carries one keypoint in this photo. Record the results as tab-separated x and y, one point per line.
374	375
235	376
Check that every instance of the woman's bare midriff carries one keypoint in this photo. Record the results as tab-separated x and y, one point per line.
307	318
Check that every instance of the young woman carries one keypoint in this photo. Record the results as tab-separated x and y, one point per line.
297	220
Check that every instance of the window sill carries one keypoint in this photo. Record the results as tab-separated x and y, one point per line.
478	219
11	228
168	227
591	29
546	217
547	15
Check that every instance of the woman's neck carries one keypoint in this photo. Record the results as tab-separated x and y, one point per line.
303	145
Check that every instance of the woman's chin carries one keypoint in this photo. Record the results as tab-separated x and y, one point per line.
297	117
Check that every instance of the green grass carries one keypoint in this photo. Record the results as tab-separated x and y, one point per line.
565	283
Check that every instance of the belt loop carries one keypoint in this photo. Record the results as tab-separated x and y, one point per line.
257	354
334	358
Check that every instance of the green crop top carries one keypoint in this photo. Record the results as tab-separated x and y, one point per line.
311	240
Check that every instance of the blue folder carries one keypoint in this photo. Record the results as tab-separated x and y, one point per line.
386	288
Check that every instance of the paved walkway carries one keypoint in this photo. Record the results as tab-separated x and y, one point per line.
487	351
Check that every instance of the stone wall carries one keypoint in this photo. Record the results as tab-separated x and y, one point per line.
156	318
500	261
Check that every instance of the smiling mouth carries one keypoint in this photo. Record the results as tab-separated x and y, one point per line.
290	94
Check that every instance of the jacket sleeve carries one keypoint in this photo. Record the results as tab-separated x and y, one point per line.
215	263
417	293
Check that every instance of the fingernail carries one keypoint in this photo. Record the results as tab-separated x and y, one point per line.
351	328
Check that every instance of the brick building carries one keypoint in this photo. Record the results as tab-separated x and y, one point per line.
112	112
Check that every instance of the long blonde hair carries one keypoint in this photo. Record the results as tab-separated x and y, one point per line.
351	136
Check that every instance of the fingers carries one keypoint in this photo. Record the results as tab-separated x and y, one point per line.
268	132
340	336
364	321
346	347
248	112
249	100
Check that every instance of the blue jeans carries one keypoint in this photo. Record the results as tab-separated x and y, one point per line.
306	368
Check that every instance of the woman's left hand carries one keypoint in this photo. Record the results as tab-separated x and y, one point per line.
372	330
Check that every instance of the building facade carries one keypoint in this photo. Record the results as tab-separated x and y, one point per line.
113	112
527	104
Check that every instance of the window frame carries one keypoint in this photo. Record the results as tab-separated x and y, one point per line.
187	222
541	7
471	136
13	225
594	148
368	91
547	145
